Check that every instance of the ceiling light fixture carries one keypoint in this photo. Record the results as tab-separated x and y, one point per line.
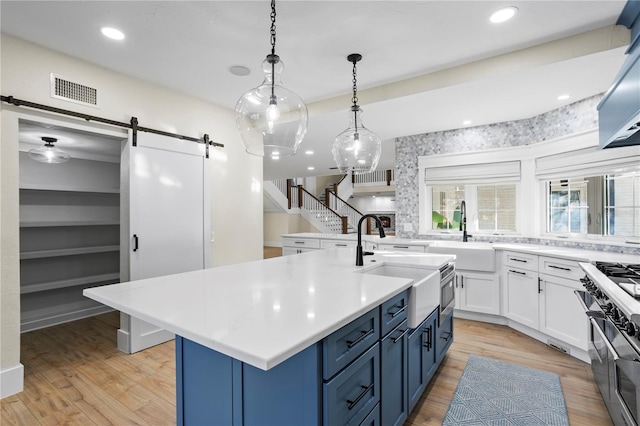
356	150
271	117
112	33
563	97
239	70
504	14
466	122
48	153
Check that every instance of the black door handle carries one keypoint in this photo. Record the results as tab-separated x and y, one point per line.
135	242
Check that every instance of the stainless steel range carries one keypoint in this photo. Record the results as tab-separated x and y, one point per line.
612	304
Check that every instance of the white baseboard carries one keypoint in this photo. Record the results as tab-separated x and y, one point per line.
11	381
272	243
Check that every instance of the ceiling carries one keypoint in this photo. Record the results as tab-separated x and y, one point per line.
427	65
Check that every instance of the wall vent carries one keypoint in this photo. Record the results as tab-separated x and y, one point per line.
557	347
70	91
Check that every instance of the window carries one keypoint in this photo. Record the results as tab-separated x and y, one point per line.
490	207
497	207
605	205
568	206
622	209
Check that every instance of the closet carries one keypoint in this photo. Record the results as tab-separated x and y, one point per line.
69	224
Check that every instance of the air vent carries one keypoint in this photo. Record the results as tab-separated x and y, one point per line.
70	91
557	346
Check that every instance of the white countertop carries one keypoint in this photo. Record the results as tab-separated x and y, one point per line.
579	255
264	312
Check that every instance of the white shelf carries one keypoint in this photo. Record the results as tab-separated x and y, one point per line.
53	187
30	321
67	252
73	282
45	224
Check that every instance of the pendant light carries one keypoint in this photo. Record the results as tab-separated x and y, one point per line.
356	150
49	153
272	120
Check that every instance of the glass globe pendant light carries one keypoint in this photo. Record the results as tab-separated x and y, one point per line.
272	120
49	153
356	150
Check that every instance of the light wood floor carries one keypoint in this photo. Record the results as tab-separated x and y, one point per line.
75	375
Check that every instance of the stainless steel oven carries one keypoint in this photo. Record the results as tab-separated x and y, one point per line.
614	344
447	291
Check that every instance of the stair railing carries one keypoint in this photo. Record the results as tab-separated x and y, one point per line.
344	209
328	217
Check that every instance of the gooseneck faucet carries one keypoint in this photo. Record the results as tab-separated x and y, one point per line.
359	253
463	222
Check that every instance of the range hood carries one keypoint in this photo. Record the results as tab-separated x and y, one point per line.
619	110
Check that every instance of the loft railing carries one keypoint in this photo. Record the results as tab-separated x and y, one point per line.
343	209
330	219
377	176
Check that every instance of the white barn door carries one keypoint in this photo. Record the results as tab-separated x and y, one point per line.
168	220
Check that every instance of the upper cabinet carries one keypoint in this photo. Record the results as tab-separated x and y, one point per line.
619	110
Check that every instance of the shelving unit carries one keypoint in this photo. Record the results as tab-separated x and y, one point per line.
69	238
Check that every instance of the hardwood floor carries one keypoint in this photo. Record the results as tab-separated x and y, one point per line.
75	375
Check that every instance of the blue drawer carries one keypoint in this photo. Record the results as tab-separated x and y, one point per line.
373	419
393	312
348	343
351	395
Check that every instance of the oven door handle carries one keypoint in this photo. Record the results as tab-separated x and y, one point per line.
612	351
590	314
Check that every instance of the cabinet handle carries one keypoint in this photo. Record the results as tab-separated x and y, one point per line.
539	285
517	272
351	344
364	392
298	242
462	281
560	267
400	336
341	245
428	343
396	313
446	335
401	247
515	259
135	242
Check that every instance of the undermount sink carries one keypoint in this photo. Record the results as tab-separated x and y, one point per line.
470	256
424	294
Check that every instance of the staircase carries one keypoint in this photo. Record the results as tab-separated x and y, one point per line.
332	215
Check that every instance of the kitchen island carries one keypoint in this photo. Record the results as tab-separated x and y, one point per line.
253	340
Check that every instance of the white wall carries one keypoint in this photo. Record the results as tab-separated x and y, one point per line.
236	214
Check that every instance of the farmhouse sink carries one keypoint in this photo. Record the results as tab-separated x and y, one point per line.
470	256
424	294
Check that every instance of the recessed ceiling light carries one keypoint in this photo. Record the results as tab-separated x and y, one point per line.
112	33
311	168
563	97
239	70
503	15
466	122
309	152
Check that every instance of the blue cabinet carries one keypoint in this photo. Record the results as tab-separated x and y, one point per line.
352	377
421	358
393	376
444	336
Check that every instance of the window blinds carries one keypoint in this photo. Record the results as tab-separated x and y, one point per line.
473	174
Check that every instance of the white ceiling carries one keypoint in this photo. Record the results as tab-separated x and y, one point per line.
427	65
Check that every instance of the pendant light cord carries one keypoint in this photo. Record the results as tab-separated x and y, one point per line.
273	51
354	99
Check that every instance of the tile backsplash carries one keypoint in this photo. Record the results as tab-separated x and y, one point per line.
571	119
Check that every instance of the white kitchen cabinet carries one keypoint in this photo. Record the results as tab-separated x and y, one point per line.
297	245
542	297
478	292
401	247
325	244
521	296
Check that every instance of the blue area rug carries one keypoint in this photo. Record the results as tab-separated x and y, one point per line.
493	392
